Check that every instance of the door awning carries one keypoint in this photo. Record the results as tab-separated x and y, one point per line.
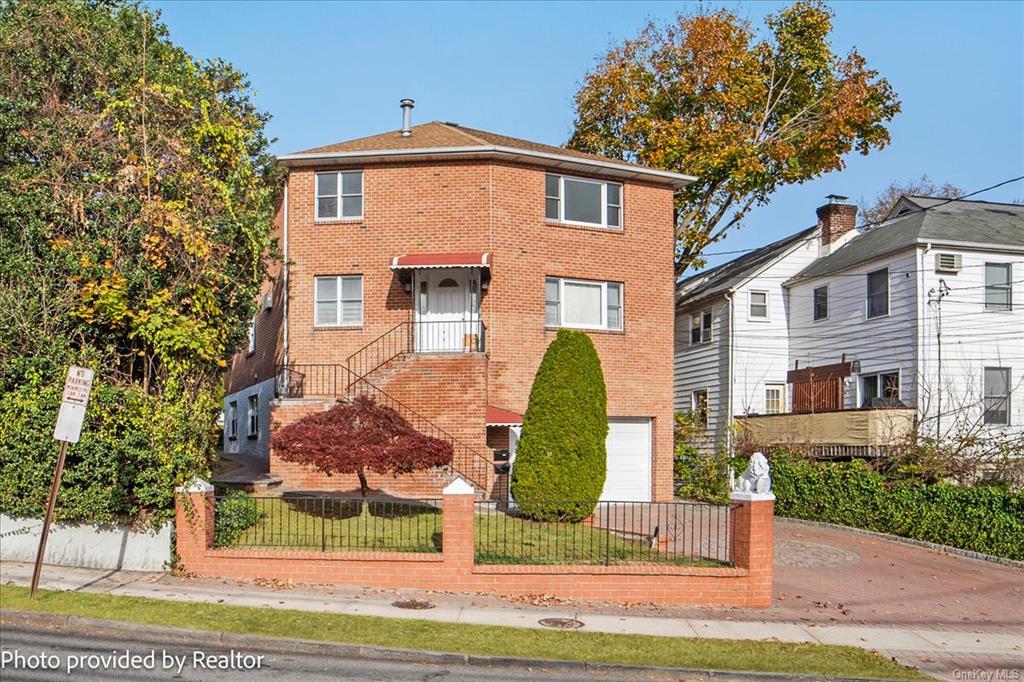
476	259
496	416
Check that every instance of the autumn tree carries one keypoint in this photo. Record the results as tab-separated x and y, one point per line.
708	96
359	436
874	211
136	205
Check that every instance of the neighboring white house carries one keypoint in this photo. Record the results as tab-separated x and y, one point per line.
834	319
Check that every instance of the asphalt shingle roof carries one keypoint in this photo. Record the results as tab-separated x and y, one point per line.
940	220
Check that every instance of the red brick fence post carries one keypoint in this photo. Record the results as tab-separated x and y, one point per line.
193	521
751	537
457	524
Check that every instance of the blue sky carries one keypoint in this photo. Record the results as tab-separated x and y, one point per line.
334	71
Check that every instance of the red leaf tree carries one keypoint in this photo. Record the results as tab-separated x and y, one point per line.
360	436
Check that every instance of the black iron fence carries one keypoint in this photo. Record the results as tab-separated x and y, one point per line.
327	523
680	533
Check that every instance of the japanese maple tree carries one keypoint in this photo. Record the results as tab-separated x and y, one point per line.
359	436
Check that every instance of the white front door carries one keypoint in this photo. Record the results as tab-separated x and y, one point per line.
629	460
442	311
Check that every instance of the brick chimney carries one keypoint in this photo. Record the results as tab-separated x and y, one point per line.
836	218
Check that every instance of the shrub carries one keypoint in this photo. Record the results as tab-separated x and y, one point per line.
984	519
560	462
701	475
235	512
360	436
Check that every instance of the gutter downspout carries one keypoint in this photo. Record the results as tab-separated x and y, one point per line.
728	407
921	320
284	276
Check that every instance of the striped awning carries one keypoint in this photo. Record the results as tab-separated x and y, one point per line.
476	259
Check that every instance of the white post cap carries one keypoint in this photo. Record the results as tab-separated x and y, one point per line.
737	496
197	485
458	487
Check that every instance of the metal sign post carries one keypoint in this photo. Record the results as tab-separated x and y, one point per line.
67	430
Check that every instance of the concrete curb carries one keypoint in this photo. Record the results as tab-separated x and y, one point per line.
158	634
934	546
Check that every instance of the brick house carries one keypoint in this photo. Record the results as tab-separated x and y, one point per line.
430	267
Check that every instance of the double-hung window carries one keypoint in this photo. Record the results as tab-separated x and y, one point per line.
254	416
584	304
339	194
878	293
339	301
758	305
997	395
821	303
252	335
700	327
774	395
998	286
232	425
585	202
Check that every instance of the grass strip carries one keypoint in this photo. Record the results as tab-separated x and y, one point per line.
680	652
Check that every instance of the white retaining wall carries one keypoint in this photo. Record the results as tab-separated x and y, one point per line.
86	546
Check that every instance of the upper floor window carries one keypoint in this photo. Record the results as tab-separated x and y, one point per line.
584	304
339	195
759	305
700	327
252	335
339	301
997	395
821	303
878	293
588	202
254	416
773	398
998	286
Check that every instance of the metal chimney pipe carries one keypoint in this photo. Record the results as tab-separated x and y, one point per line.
407	105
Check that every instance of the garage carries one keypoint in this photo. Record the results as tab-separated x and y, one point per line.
629	460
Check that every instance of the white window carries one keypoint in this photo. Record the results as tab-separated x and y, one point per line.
821	303
700	327
758	305
254	416
882	387
583	304
998	286
878	293
339	301
699	406
997	395
339	195
232	420
252	334
587	202
774	398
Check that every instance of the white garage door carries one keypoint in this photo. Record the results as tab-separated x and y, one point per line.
629	460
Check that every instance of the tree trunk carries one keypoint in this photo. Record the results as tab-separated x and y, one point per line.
364	487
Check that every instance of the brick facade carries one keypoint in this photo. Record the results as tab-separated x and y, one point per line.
748	584
495	207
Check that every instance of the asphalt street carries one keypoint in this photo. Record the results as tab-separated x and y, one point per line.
45	655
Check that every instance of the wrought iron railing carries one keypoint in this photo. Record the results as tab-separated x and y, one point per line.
325	380
680	533
328	523
454	336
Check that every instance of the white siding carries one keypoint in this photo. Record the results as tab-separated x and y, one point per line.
703	366
972	338
880	344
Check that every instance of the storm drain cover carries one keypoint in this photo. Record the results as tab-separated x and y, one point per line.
415	604
561	623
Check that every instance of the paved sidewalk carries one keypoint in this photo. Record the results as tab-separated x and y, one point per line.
914	645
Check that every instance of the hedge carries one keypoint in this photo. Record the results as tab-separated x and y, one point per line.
560	462
983	519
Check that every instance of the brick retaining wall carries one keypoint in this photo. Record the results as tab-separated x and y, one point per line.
747	584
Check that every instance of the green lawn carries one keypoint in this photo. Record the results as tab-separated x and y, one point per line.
776	657
342	524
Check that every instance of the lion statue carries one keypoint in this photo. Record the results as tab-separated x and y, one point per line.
756	478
